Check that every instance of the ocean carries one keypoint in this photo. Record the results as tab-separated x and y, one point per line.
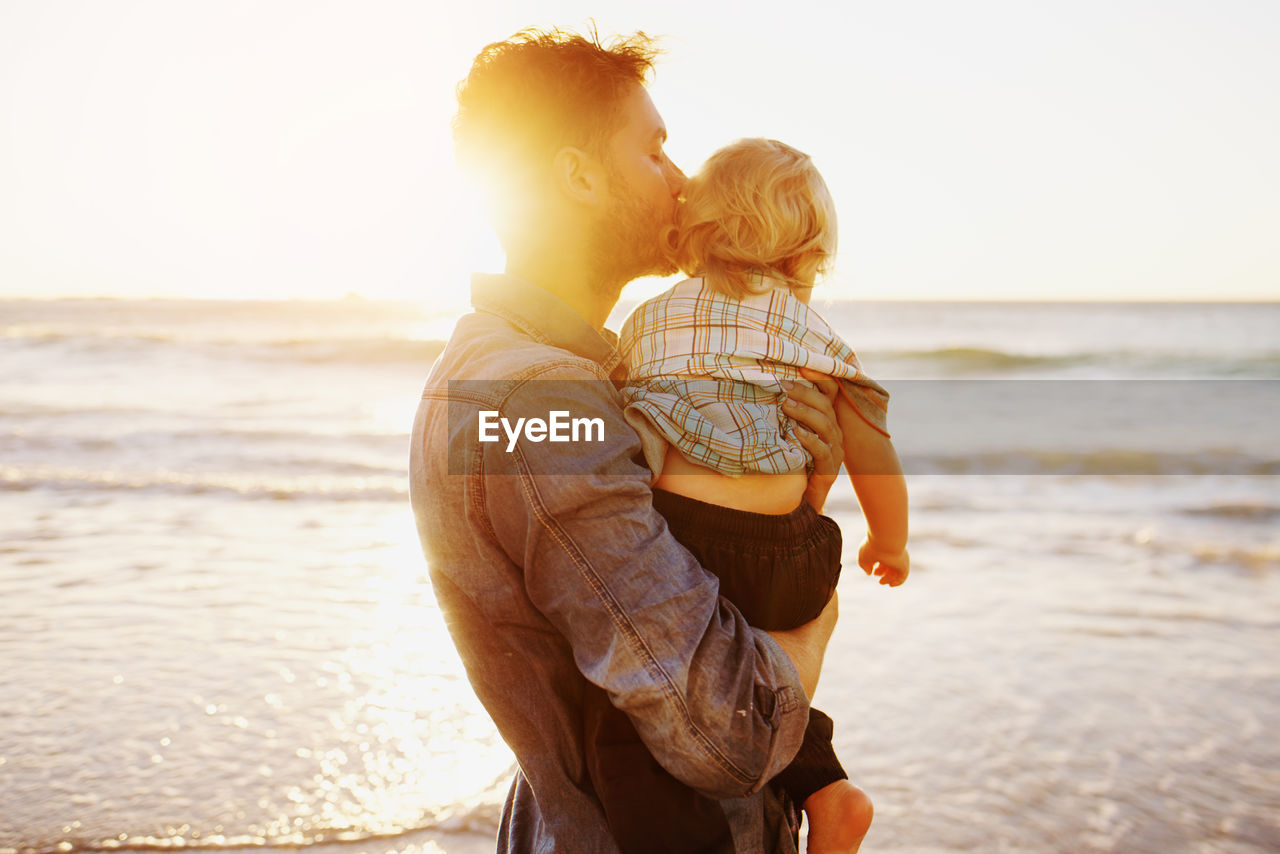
219	632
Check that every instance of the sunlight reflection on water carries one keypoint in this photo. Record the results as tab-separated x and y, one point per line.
298	689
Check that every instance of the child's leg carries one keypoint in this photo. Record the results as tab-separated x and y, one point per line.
647	809
839	818
816	765
839	812
780	571
761	561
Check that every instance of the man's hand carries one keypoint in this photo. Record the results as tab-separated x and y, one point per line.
891	567
807	645
820	434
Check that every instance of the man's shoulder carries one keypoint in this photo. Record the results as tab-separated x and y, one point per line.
496	389
488	348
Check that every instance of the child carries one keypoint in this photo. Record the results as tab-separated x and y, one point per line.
708	364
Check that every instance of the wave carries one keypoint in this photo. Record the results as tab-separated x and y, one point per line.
350	349
480	821
1262	558
354	483
308	487
270	454
1103	462
980	359
239	441
1243	512
392	348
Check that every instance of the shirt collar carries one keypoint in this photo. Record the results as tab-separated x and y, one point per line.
544	317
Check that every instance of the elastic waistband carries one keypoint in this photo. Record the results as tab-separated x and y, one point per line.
690	514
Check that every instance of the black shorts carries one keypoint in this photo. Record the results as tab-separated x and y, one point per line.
780	571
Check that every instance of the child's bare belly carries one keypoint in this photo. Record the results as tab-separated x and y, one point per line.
756	493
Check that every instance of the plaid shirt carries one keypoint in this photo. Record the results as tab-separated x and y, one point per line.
704	374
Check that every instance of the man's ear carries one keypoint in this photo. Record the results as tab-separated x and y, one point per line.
578	175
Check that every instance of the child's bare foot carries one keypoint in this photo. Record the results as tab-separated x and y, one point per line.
839	817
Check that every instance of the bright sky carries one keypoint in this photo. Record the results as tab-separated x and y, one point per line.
1061	149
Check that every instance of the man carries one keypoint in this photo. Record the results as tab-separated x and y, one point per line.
556	576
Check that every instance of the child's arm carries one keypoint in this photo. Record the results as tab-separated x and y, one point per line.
876	474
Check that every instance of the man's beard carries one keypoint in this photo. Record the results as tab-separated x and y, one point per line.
626	240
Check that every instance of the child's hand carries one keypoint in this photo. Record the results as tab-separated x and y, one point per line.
891	567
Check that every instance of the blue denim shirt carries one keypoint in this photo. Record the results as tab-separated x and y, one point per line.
553	570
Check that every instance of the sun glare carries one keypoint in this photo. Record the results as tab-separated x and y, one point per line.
304	151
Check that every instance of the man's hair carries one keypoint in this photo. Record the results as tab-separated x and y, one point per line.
757	208
540	90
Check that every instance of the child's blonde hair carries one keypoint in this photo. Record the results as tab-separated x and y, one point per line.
756	209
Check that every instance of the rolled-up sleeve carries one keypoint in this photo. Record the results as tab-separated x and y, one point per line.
717	702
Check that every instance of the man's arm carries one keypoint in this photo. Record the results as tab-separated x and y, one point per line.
806	646
718	703
820	434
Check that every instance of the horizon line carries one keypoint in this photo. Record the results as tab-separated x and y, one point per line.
359	298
